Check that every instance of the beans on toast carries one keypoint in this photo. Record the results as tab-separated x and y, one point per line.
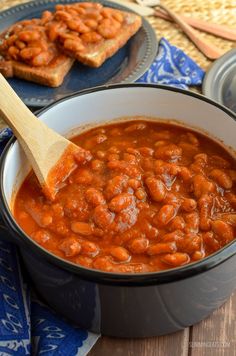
43	50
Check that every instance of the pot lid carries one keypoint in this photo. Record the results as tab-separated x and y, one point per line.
220	81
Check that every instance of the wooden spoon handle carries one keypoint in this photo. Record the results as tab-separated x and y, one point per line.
27	128
215	29
42	145
9	101
209	50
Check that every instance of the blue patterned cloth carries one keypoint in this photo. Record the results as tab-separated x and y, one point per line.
27	326
173	67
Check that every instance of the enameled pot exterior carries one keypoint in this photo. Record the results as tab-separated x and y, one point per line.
132	311
125	305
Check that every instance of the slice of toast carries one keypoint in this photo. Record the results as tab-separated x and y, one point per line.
95	56
58	29
52	74
94	53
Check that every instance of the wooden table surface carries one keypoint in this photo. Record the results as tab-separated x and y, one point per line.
214	336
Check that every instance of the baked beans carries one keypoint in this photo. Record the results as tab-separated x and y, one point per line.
148	196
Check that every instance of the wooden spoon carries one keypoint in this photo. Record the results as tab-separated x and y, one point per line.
208	49
145	9
51	155
213	28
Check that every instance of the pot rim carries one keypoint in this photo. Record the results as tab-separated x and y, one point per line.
128	279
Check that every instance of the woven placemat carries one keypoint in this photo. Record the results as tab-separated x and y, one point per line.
215	11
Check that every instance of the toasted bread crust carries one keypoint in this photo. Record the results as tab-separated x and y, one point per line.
6	69
51	75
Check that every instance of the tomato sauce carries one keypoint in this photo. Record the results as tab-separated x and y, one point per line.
151	196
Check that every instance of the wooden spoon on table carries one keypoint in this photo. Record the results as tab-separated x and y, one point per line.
52	156
143	8
213	28
208	49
